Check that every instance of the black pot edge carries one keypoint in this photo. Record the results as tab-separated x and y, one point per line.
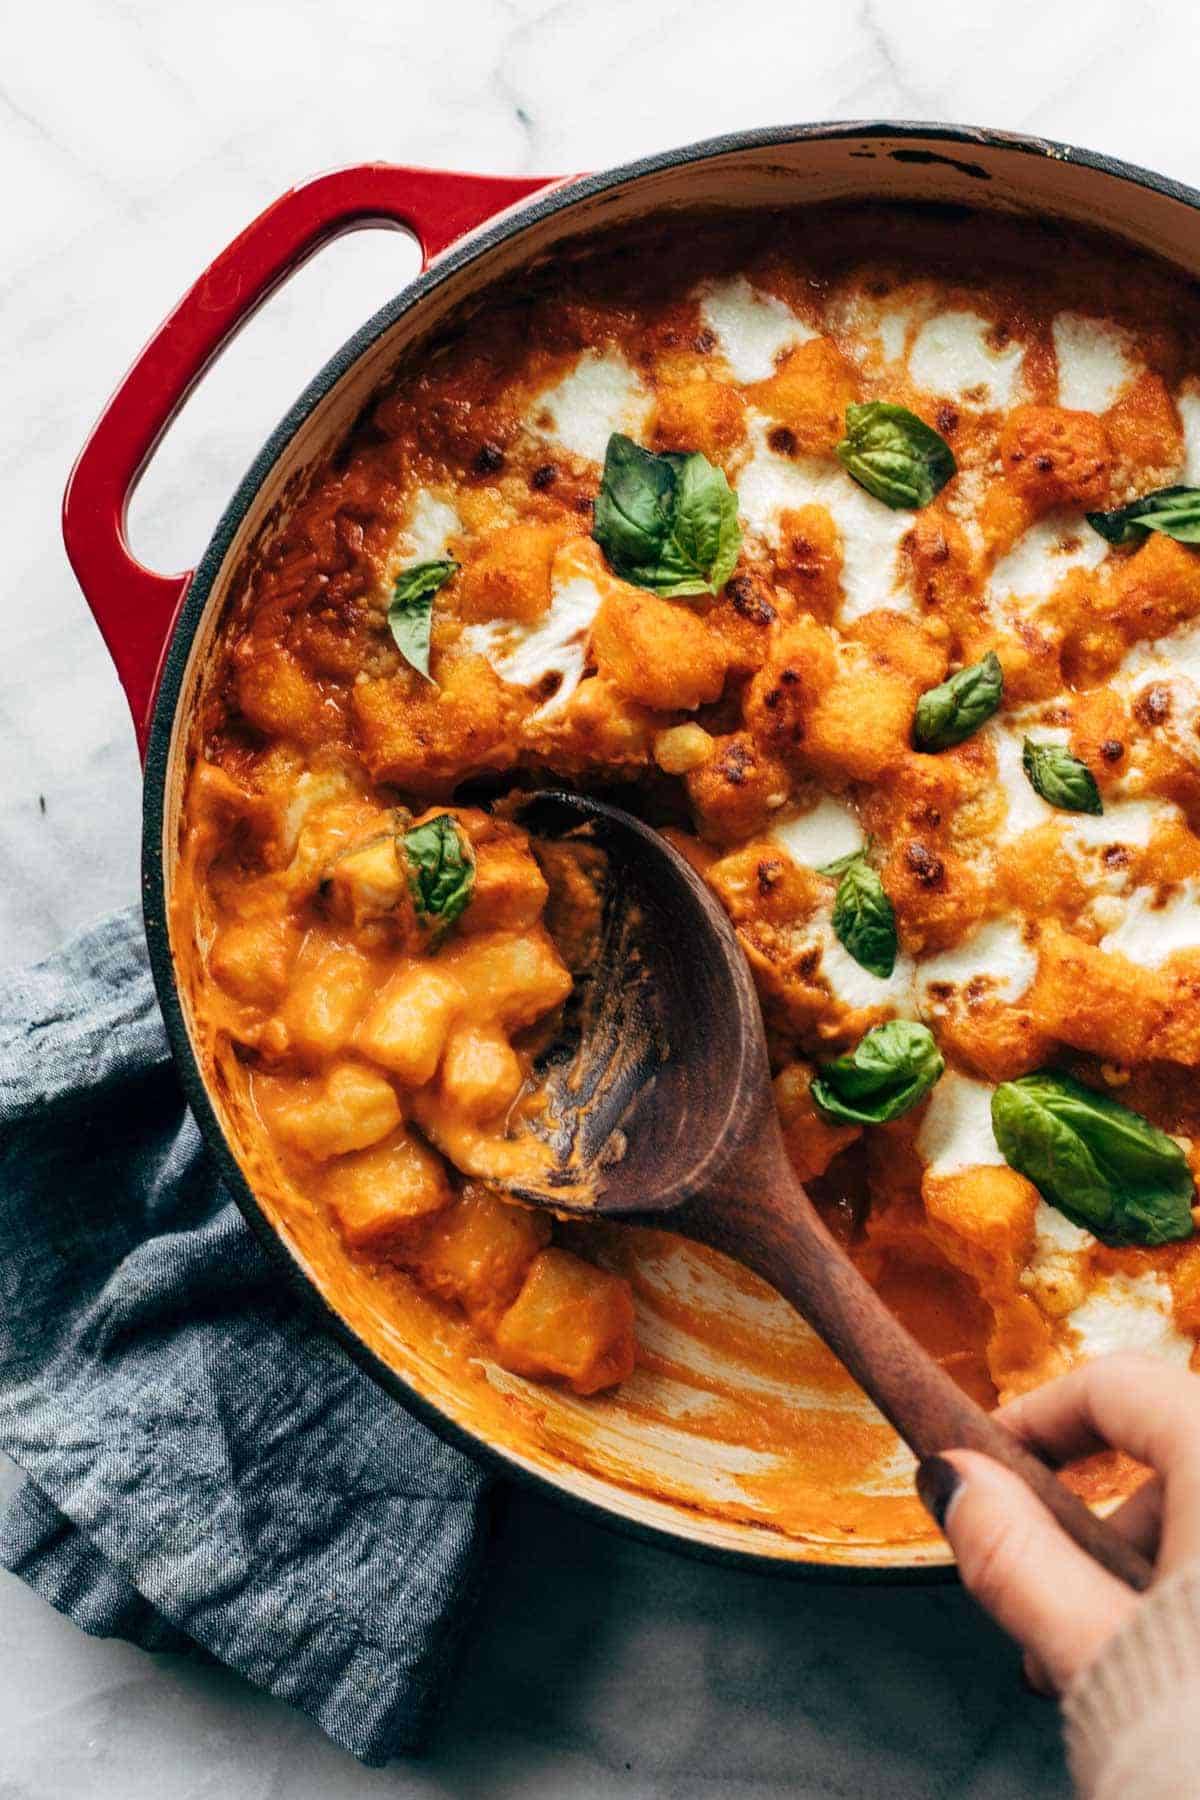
157	766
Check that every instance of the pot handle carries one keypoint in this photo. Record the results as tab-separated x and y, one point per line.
135	607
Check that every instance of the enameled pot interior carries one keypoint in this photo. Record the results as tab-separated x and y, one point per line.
638	1456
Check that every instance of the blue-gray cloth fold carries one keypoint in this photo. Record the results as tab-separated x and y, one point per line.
204	1464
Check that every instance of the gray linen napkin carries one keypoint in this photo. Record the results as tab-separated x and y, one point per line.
204	1464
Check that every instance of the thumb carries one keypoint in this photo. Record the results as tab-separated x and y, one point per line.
1021	1566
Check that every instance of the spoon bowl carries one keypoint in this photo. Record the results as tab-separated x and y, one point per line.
637	1122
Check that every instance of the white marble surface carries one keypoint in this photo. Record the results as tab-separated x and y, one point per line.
137	136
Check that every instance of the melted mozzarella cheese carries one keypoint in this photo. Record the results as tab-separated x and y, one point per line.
1029	573
770	485
431	524
1095	362
555	644
1056	1235
865	321
1058	1271
1130	1312
829	830
752	328
963	499
1026	808
1178	654
599	396
1150	932
1188	402
953	357
893	327
312	788
855	986
956	1132
1128	823
1174	663
995	963
1105	1313
1100	847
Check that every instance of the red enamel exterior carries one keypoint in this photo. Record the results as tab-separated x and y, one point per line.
135	607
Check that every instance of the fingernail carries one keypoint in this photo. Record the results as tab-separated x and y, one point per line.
938	1481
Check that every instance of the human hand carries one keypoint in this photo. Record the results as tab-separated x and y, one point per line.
1015	1558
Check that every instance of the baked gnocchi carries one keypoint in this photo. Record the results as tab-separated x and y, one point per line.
861	548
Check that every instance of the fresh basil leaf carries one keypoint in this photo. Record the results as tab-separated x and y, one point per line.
441	870
1060	778
893	1068
706	530
635	505
1175	511
410	614
953	711
1107	1169
864	920
894	455
667	523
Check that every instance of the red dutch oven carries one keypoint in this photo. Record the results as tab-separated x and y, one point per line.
646	1464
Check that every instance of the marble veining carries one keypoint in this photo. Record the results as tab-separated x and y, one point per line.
136	138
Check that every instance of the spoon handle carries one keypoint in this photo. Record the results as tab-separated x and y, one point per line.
779	1234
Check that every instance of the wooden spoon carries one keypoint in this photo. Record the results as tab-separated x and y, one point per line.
661	1113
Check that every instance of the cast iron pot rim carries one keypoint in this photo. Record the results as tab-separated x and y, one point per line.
559	198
